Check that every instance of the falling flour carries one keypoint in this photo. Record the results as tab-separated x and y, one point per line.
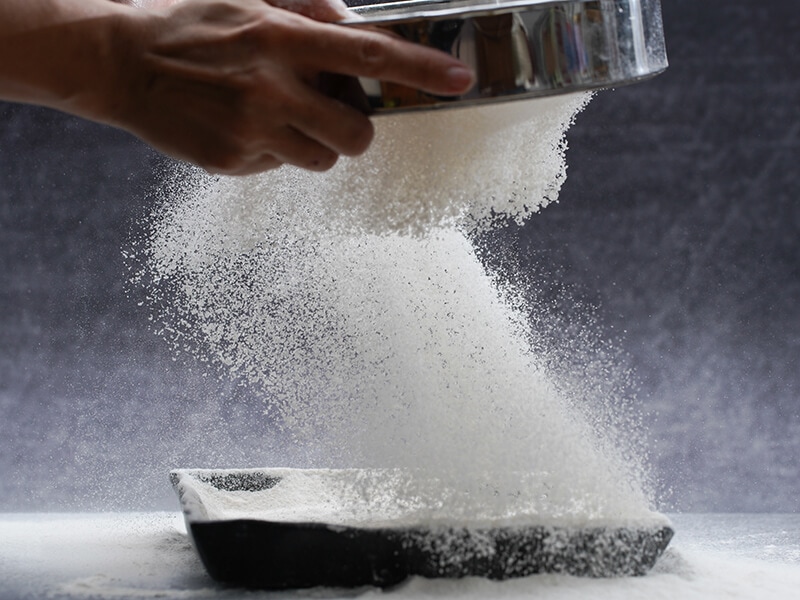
355	303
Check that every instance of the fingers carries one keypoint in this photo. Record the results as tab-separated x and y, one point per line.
262	150
311	134
256	164
232	86
291	146
361	52
314	130
320	10
332	123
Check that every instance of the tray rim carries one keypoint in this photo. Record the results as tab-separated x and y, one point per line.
297	554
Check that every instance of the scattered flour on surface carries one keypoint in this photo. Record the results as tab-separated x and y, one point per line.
135	556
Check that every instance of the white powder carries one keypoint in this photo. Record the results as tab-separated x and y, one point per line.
395	498
432	168
355	303
96	556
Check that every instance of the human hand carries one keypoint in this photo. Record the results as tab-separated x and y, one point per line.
320	10
232	85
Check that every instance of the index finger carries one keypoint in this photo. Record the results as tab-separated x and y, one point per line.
360	52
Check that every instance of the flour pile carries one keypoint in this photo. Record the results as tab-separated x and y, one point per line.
355	303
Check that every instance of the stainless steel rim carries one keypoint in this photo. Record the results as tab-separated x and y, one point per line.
521	49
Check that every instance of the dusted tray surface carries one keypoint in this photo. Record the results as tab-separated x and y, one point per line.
267	554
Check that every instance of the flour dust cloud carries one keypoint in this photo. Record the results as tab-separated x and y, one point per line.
354	302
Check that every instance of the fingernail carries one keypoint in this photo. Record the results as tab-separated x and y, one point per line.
459	78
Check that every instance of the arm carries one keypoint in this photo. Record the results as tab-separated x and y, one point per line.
50	51
226	84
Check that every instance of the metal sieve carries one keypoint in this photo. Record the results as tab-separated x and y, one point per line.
519	48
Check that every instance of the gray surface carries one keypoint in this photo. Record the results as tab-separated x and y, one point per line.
679	222
146	555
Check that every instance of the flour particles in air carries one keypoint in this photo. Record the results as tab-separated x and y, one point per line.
354	302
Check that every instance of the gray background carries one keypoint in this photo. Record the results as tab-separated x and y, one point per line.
678	228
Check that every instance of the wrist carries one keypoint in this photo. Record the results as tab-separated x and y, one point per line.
118	47
98	73
64	57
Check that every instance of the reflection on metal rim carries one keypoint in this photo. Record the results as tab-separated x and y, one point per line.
519	48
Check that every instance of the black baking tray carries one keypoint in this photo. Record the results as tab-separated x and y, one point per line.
275	555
